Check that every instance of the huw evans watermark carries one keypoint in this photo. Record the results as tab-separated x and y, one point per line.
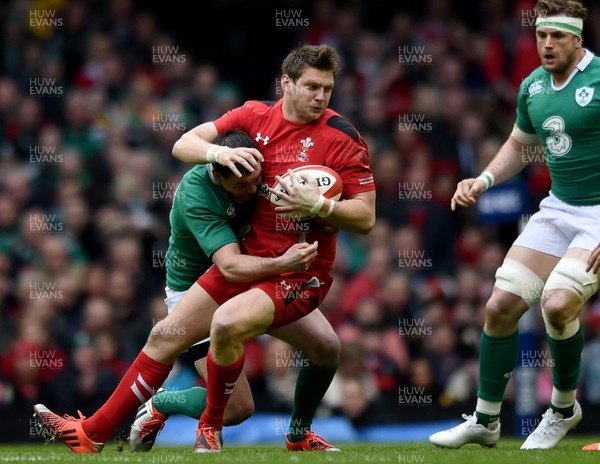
414	396
291	291
162	259
290	19
45	19
536	359
168	122
284	426
46	155
414	55
290	359
414	122
414	191
413	260
44	291
45	87
413	327
45	359
42	222
167	54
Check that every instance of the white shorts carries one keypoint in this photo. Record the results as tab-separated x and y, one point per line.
558	226
174	297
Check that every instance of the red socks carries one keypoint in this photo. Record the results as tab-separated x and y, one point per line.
140	382
221	380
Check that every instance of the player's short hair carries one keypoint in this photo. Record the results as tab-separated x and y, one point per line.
233	138
571	8
321	57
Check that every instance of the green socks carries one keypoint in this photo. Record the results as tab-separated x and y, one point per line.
311	385
190	402
497	359
566	358
566	355
313	381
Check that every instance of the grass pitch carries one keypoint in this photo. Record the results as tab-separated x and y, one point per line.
507	451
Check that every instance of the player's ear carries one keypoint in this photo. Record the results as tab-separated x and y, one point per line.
285	82
218	177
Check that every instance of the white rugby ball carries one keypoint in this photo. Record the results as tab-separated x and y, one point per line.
329	182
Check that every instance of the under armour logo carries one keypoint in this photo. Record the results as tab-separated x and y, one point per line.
264	139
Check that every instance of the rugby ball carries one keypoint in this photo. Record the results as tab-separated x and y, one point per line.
329	182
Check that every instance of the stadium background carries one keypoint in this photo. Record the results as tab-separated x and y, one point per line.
94	94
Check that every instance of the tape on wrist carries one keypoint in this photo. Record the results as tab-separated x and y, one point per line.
213	152
329	211
488	178
318	205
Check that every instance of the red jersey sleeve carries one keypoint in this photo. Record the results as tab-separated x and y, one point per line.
349	157
233	119
236	118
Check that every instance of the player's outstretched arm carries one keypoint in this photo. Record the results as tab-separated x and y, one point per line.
237	267
195	147
509	161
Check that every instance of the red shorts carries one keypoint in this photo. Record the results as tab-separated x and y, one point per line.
294	295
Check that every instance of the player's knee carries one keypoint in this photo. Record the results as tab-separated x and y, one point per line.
569	283
222	330
559	307
502	309
517	288
325	351
516	279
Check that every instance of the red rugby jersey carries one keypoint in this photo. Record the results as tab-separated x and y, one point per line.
330	141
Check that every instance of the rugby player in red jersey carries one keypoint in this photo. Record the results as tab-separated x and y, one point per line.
295	131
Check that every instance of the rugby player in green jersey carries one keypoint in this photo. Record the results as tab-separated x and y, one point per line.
551	260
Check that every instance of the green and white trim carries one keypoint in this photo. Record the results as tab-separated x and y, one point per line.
561	23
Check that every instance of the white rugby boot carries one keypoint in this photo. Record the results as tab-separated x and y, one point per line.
467	432
551	429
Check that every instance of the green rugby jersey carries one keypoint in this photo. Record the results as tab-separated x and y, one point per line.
203	218
567	121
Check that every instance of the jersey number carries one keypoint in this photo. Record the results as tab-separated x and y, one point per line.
559	143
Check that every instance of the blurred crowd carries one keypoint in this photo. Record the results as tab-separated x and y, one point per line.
94	94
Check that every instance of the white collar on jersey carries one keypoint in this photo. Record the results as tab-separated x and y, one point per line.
585	61
209	170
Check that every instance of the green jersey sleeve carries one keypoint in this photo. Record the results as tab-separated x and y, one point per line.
210	226
200	222
523	120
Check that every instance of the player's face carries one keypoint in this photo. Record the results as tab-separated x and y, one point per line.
307	99
242	189
557	50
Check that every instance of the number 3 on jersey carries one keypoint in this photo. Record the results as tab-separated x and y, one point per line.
559	143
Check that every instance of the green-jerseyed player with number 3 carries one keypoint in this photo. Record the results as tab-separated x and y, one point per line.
551	261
